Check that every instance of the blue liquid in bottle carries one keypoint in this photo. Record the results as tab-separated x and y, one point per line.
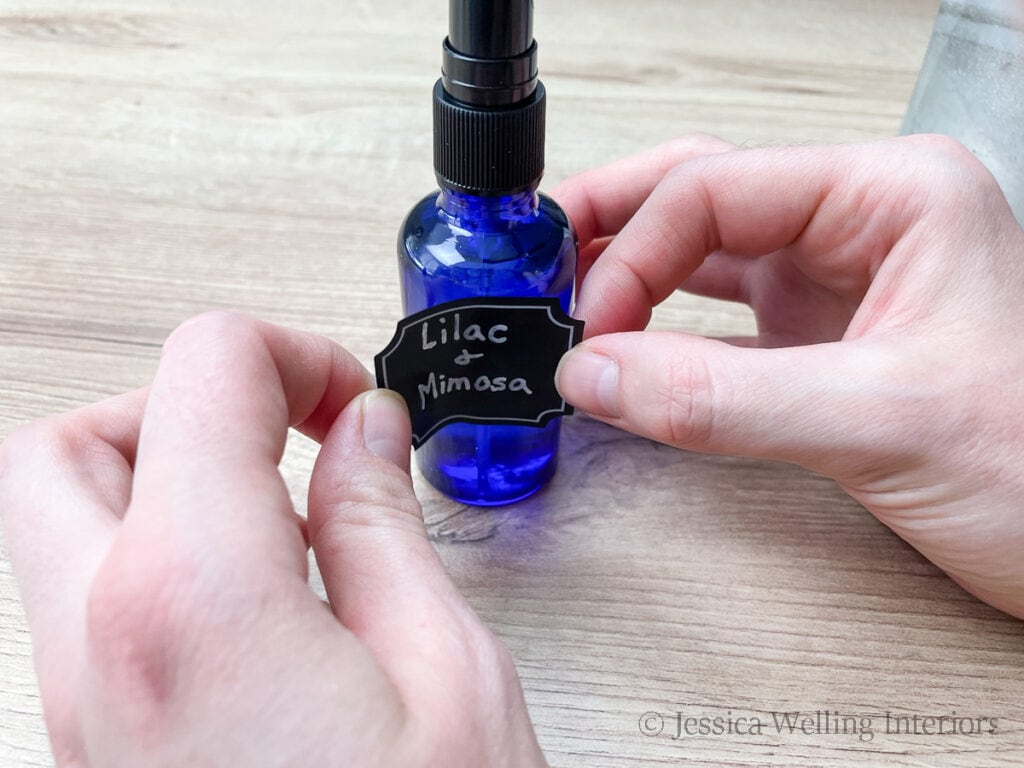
455	245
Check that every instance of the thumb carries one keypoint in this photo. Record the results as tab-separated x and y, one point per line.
384	580
818	405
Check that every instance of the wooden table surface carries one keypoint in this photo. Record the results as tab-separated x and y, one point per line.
159	159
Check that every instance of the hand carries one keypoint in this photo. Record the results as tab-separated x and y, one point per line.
887	281
163	571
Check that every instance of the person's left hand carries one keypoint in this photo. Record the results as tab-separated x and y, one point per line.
164	574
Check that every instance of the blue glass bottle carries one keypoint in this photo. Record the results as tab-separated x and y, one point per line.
487	232
455	245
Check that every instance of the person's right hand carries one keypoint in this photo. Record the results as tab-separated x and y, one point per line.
888	284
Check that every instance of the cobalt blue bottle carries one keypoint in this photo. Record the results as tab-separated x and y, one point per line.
487	232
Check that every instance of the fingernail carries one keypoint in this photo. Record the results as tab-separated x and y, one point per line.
590	382
386	426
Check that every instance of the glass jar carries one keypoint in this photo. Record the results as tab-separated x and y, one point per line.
971	87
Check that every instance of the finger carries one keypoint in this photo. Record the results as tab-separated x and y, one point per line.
600	201
803	404
64	485
384	580
586	257
836	207
740	341
721	276
115	423
225	392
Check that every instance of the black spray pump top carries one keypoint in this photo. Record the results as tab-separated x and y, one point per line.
489	104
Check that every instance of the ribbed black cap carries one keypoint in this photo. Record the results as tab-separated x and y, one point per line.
488	151
489	105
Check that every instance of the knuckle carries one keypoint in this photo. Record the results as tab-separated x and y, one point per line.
479	671
374	498
491	663
213	327
946	146
948	156
496	657
484	658
139	610
681	176
29	459
693	145
387	487
684	401
30	440
55	442
688	181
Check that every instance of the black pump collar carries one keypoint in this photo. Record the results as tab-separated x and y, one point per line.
489	106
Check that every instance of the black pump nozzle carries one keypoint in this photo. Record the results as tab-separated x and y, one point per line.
490	57
490	30
489	105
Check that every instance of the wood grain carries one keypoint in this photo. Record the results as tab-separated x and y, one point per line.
160	159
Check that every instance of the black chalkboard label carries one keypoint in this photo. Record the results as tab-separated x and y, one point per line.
488	360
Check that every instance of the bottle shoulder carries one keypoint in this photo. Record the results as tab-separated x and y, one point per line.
548	212
554	211
439	260
429	234
427	206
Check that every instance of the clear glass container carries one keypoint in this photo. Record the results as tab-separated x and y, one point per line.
971	87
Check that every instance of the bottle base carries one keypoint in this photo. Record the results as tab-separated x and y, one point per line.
478	502
493	465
